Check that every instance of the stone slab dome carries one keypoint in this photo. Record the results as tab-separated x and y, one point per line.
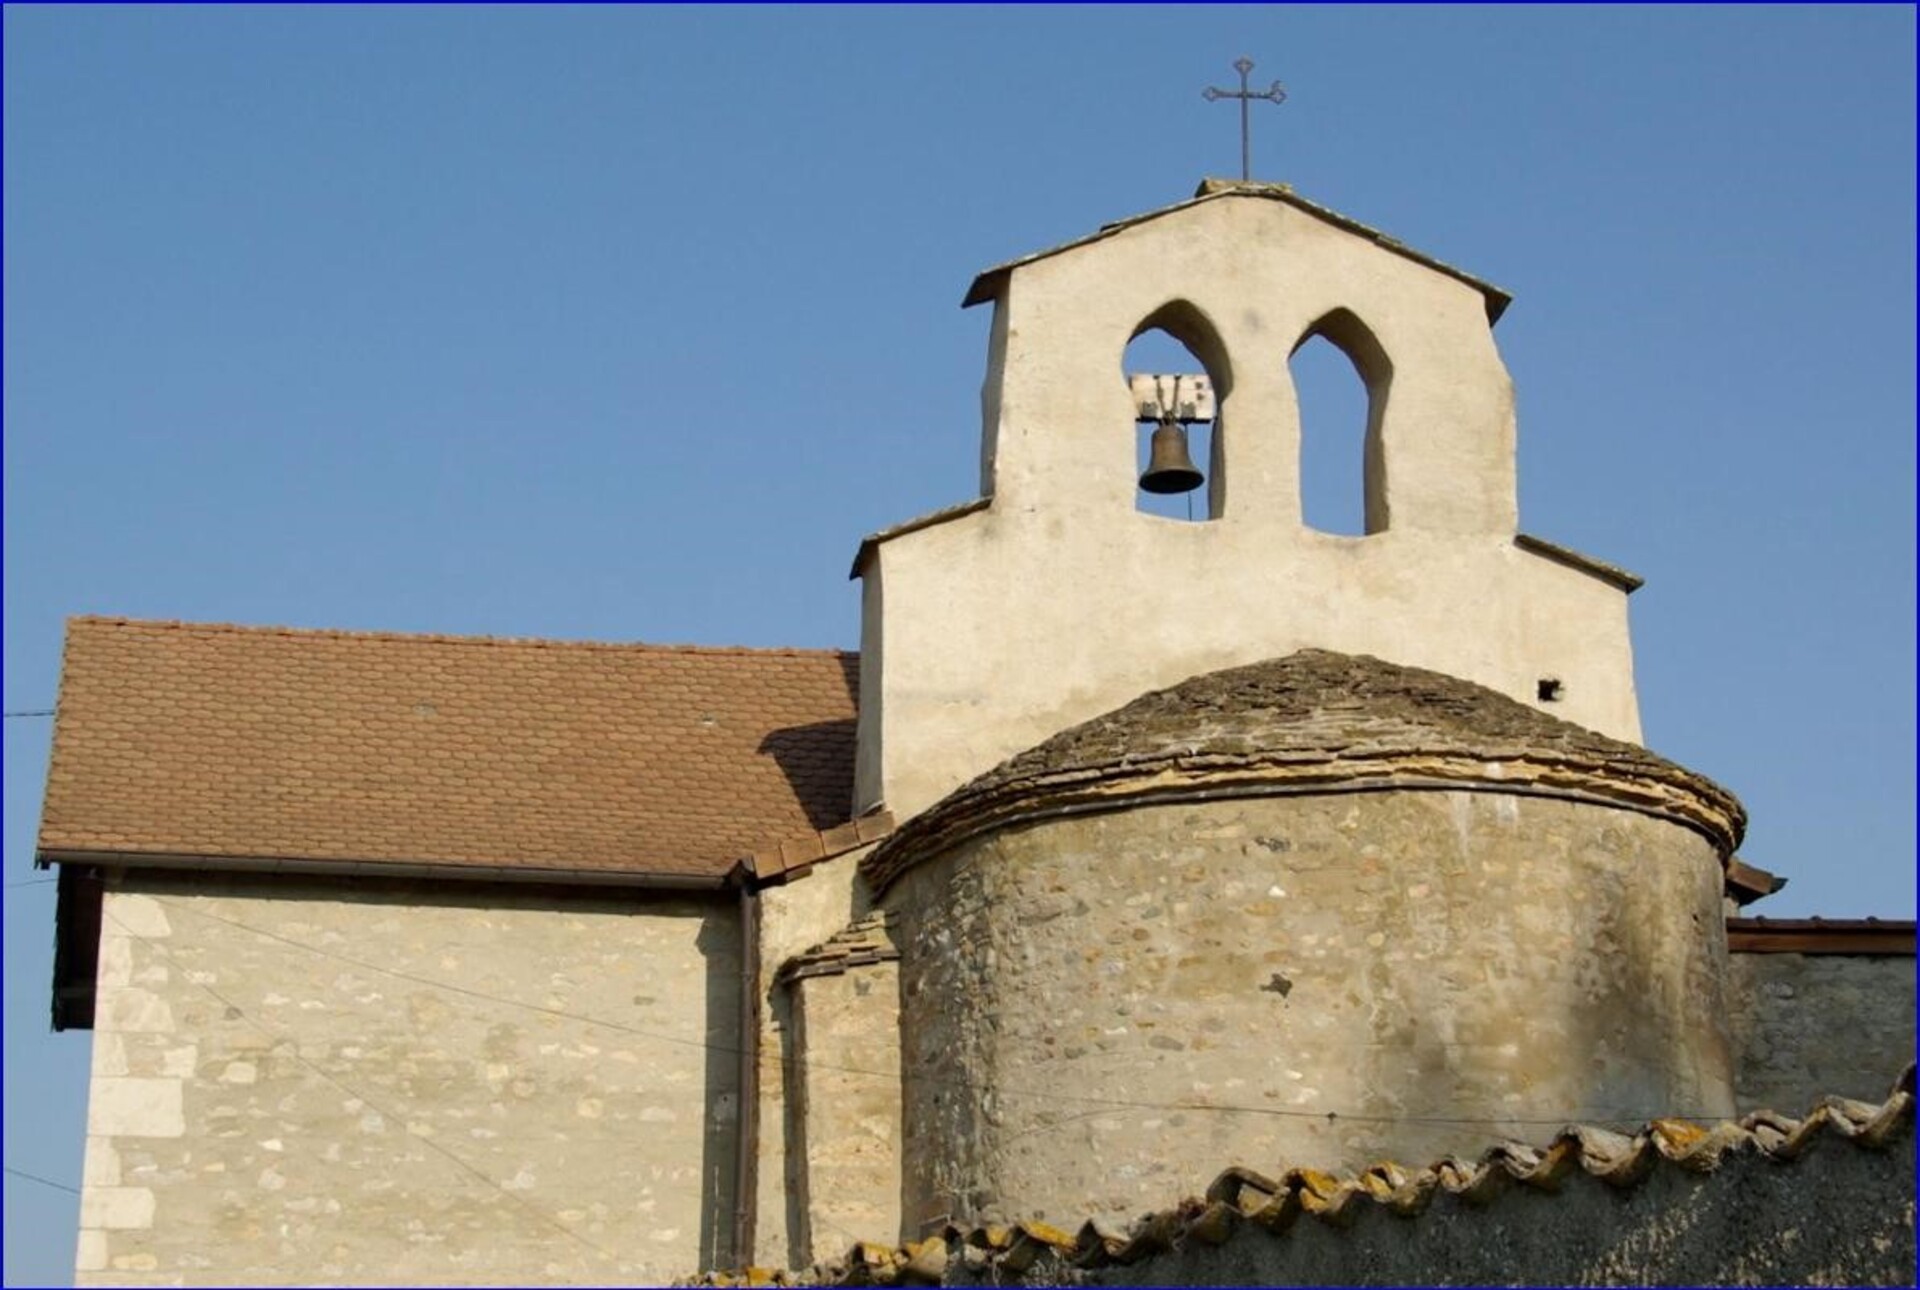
1313	721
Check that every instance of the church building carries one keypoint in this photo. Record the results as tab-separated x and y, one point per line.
1128	850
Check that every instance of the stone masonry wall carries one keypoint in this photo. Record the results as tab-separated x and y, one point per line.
793	917
849	1049
361	1083
1354	976
1839	1215
1806	1025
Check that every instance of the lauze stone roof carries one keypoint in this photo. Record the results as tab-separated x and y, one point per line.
212	742
1314	719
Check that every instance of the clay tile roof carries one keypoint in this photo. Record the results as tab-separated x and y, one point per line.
1317	717
1869	936
1241	1199
211	742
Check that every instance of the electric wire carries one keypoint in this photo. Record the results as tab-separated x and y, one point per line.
237	1012
36	1178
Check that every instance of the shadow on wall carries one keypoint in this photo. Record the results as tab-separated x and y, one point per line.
719	944
788	1023
1618	1026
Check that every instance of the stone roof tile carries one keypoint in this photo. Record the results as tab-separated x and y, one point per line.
865	941
1314	718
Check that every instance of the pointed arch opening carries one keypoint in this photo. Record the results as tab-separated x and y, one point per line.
1341	378
1176	373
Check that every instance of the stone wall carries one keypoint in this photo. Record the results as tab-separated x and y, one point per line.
847	1172
1807	1025
367	1083
794	917
1840	1215
1356	976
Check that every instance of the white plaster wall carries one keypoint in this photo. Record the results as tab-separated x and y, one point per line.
988	632
1262	273
1004	627
330	1083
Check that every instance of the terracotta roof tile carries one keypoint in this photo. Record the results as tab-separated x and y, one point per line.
209	740
1885	936
794	857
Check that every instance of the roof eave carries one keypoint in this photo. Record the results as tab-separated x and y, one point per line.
1612	574
340	868
871	543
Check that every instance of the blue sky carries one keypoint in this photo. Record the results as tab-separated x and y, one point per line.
626	324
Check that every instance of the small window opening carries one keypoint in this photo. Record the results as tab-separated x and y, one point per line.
1549	689
1333	431
1341	379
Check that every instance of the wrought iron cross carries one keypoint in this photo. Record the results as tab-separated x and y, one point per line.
1246	96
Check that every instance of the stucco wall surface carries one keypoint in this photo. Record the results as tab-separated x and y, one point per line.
1359	976
1807	1025
975	639
300	1082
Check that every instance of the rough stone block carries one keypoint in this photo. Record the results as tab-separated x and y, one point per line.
136	1108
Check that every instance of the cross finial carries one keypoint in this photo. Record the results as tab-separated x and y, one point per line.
1276	95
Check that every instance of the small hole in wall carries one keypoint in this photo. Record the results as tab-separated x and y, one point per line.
1550	690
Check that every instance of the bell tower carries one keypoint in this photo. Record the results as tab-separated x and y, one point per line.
1051	598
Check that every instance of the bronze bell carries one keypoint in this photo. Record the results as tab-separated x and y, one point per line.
1169	468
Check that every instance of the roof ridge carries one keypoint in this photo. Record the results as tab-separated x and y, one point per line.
444	638
986	283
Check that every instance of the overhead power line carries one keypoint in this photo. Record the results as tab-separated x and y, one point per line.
29	712
44	1182
1630	1120
464	1166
